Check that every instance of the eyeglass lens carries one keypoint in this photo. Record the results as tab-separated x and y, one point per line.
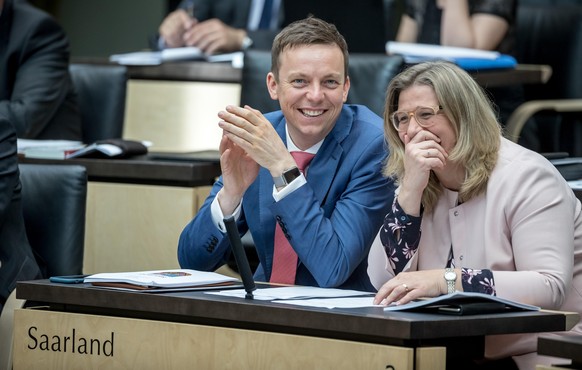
421	114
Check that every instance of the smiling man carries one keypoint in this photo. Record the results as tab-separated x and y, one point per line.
313	223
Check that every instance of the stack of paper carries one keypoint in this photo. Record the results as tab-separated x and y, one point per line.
157	57
466	58
176	278
148	58
47	149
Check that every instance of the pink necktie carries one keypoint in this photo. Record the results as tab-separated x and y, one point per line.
284	257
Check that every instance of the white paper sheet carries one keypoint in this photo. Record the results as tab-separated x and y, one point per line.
294	292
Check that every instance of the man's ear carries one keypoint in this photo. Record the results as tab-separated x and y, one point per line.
272	85
346	88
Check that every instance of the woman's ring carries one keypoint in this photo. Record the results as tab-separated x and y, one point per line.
428	153
405	287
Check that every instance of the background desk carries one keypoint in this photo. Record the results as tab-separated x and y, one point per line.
525	74
175	104
137	208
216	332
224	72
567	347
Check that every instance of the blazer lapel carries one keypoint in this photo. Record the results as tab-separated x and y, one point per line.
327	161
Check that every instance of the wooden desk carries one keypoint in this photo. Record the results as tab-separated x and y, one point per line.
224	72
176	330
175	105
567	347
522	74
143	170
137	208
188	71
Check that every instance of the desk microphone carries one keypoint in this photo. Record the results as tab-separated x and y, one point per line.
240	257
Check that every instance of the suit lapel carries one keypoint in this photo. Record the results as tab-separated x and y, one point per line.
325	164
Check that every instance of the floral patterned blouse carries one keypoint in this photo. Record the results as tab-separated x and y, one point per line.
400	236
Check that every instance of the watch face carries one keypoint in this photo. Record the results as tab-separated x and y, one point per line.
450	275
291	174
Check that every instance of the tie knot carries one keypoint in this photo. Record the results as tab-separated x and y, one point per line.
302	159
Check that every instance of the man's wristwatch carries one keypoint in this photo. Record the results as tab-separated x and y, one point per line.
450	277
286	177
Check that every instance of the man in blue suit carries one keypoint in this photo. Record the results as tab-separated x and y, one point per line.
330	217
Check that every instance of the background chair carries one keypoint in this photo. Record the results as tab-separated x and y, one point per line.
101	91
550	32
369	75
54	205
256	65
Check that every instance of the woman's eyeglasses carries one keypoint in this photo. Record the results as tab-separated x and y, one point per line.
422	115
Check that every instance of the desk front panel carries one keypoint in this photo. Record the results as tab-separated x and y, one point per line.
426	333
568	347
370	324
57	340
132	227
177	116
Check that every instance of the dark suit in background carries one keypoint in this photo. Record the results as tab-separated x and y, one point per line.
378	18
36	92
17	261
234	13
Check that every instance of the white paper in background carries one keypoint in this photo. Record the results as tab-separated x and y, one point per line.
138	58
149	58
24	144
437	51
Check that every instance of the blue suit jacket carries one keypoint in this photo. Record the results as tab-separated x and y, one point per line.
331	221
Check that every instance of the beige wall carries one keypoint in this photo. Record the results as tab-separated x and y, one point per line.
99	28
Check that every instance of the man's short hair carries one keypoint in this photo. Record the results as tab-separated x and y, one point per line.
308	31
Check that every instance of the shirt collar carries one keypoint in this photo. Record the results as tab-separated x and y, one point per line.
291	147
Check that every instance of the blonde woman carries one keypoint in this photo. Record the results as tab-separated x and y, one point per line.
473	211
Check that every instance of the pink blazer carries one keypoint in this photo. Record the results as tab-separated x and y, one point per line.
526	228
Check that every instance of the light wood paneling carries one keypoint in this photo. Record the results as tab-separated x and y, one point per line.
145	344
177	116
133	227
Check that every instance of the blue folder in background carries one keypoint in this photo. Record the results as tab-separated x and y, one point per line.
466	58
501	62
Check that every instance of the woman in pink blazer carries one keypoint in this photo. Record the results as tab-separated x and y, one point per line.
473	211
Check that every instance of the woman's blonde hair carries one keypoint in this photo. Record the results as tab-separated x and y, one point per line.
472	117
